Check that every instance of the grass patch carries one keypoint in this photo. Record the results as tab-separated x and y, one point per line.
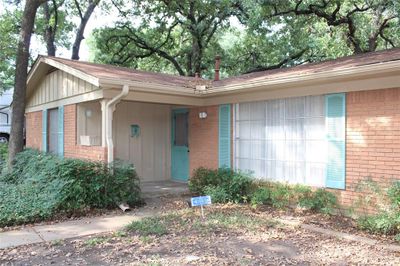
235	220
190	220
149	226
120	234
91	242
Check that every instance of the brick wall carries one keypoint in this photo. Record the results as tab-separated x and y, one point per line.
203	138
372	140
71	148
34	130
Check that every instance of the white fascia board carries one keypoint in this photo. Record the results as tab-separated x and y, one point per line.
73	71
339	74
146	87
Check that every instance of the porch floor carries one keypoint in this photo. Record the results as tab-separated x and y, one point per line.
163	188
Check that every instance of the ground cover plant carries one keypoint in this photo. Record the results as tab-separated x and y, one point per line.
42	185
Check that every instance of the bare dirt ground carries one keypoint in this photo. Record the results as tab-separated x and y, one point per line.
230	235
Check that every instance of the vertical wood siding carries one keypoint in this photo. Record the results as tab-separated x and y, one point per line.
150	152
58	85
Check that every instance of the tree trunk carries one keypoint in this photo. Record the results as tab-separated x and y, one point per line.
49	33
81	29
21	73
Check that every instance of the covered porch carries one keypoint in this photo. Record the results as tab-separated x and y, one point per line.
154	137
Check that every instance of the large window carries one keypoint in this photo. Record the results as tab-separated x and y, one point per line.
282	140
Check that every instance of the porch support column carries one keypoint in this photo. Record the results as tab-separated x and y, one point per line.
110	108
103	122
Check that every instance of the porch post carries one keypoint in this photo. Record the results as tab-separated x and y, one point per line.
110	108
103	122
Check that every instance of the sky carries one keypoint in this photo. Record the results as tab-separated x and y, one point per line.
100	18
97	20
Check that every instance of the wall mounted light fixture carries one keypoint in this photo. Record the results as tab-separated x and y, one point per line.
202	115
88	113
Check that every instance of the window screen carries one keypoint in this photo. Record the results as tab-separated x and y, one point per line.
282	140
181	130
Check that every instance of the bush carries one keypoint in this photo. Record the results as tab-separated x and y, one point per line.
217	194
224	185
40	185
202	178
394	195
280	195
223	182
3	155
304	196
261	196
383	223
387	220
323	201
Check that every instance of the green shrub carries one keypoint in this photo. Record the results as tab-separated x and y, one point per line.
225	185
217	194
303	196
386	200
41	185
284	195
394	195
33	200
280	195
3	155
261	196
235	184
382	223
202	178
323	201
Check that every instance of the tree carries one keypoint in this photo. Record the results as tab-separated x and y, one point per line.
180	34
366	25
84	18
9	29
53	25
16	143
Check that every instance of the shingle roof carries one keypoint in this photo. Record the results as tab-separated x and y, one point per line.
122	73
346	62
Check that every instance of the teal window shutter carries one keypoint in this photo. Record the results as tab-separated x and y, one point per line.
224	141
44	130
335	116
60	131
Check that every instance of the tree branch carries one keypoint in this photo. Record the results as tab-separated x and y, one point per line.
280	64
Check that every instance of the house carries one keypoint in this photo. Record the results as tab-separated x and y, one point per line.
327	124
5	115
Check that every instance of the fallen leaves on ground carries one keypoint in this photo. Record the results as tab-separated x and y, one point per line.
230	235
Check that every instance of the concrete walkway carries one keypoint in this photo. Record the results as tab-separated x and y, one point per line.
70	229
152	191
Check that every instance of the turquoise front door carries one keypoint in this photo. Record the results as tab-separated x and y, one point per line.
180	145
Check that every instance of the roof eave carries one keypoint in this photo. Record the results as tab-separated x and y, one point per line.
336	74
146	86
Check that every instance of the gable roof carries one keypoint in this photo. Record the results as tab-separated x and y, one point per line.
103	71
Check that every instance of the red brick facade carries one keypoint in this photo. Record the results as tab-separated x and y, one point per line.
203	138
372	139
34	130
71	148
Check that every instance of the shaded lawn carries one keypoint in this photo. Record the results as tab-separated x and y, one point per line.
230	235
